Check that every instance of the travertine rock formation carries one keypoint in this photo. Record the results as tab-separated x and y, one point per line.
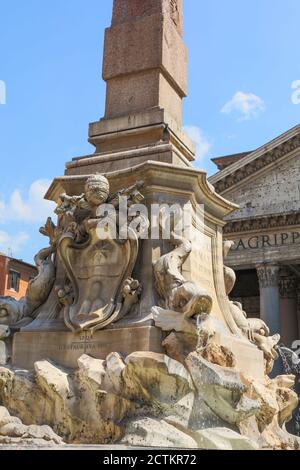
14	432
149	399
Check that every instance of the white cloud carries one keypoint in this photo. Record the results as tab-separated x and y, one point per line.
2	92
200	141
247	105
32	208
11	244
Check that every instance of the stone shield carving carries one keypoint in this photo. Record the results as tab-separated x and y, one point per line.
100	274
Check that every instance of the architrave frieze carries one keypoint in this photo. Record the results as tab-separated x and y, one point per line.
262	223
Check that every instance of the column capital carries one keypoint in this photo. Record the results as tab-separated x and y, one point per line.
268	275
287	287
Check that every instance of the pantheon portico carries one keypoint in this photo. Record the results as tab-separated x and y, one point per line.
265	184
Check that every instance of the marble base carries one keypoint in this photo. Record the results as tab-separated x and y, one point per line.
65	347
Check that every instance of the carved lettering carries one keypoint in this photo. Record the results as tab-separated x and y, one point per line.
296	236
284	238
267	241
253	243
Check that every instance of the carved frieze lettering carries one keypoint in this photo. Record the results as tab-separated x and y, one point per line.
262	241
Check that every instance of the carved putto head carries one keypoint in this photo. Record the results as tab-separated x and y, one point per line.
96	190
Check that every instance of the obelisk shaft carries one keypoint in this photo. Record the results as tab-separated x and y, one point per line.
127	10
145	70
145	60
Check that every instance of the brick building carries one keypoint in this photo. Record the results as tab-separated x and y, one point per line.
14	276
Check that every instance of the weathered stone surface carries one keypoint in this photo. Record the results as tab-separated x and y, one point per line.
92	370
138	60
3	353
179	345
89	404
223	439
222	389
153	433
219	355
149	432
268	403
168	378
13	432
146	399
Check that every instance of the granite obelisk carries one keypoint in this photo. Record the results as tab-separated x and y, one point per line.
145	70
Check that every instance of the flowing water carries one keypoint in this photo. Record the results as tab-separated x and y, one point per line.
291	365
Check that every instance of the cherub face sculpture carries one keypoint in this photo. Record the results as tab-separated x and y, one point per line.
96	190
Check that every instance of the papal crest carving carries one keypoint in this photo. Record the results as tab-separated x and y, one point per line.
95	286
99	268
100	273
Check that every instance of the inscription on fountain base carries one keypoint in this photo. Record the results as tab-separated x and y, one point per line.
65	347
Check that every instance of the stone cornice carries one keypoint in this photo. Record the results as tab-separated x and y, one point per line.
256	161
185	179
262	223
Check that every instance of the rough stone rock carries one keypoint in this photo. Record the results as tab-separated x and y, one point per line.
169	379
179	345
114	367
56	397
223	439
146	399
220	355
268	403
274	437
249	428
180	413
91	370
222	389
287	399
13	431
3	353
148	432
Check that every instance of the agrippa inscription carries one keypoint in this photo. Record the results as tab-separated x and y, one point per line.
262	241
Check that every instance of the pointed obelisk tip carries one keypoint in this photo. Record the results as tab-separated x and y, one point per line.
128	10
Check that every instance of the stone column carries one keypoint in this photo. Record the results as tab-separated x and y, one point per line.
268	275
298	305
288	310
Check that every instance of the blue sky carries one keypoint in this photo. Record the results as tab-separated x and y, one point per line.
243	59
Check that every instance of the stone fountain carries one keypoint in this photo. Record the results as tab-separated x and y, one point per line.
133	339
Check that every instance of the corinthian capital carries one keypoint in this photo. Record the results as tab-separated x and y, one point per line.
287	287
268	275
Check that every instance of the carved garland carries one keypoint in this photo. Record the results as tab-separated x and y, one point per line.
261	162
